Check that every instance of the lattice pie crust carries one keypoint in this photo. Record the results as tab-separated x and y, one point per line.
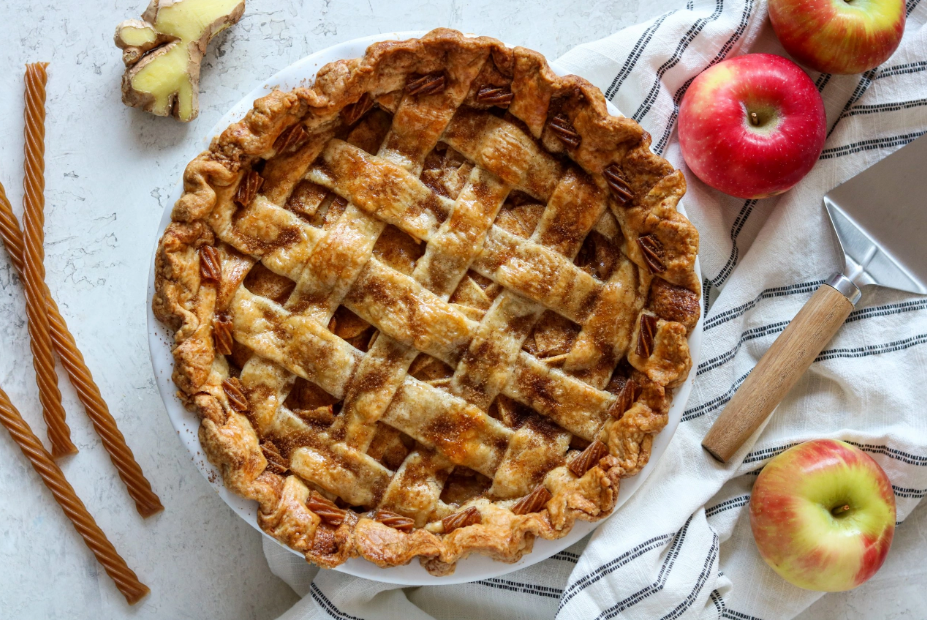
432	305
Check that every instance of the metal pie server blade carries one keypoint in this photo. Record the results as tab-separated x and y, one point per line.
880	220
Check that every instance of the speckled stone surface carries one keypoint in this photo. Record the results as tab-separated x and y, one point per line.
109	171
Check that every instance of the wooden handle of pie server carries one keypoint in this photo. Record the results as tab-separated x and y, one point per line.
780	368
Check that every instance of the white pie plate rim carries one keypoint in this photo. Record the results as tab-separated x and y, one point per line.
473	568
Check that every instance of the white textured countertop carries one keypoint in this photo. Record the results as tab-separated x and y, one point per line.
109	170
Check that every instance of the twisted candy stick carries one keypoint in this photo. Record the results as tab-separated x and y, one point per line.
146	502
33	220
126	580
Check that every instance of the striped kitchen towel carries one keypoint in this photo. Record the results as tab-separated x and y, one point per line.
682	547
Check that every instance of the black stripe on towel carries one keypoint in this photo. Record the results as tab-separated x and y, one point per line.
566	556
886	107
864	82
734	502
635	55
657	585
892	453
778	291
714	403
909	493
600	572
690	36
718	601
905	69
721	55
699	583
889	347
869	145
327	606
523	588
775	328
750	334
736	227
730	614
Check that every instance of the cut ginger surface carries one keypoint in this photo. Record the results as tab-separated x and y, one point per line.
164	50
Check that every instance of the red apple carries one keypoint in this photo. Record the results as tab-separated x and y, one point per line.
752	126
839	36
823	515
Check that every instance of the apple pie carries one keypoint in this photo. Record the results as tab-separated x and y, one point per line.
434	304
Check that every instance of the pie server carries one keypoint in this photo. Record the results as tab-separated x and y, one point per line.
880	219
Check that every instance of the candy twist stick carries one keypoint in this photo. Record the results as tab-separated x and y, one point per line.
33	221
126	580
146	502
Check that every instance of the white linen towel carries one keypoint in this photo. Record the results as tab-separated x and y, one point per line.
682	547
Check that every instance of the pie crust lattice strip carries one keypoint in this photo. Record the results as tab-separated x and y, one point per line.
433	305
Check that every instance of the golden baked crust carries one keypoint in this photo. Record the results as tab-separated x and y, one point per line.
432	305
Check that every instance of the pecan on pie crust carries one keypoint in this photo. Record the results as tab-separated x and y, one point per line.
433	305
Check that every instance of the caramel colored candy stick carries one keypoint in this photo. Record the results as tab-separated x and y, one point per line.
146	502
33	221
54	479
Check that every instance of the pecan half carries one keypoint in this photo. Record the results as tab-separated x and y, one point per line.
499	96
354	112
564	129
236	396
326	509
647	332
248	188
222	334
618	184
276	464
652	250
627	396
588	458
533	502
426	85
464	518
291	139
210	265
397	522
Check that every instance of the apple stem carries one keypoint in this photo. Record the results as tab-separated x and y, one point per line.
839	510
754	119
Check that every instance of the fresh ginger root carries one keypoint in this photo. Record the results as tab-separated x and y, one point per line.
164	49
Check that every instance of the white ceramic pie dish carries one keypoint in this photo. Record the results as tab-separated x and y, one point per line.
186	423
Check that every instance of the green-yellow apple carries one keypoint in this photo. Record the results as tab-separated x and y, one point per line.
839	36
752	126
823	515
